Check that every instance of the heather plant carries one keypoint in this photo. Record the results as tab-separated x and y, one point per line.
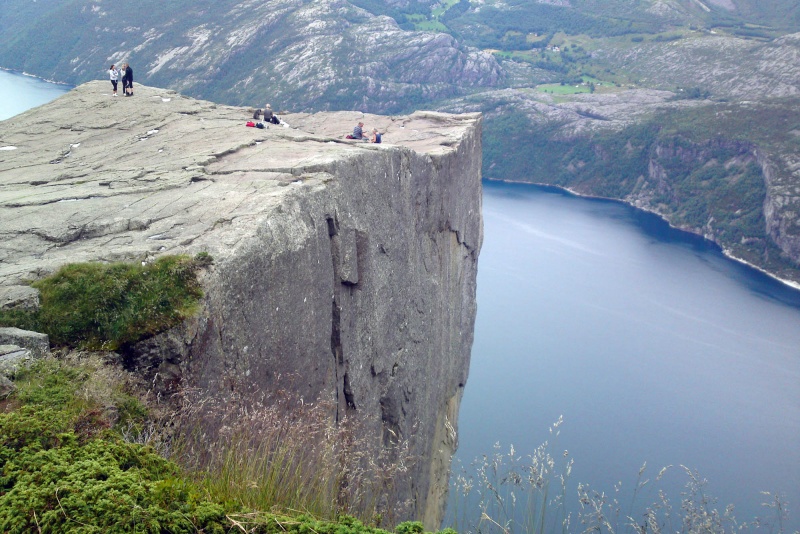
107	306
63	469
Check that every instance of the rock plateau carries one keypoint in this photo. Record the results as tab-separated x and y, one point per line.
343	270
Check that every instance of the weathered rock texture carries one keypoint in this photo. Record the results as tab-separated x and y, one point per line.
342	268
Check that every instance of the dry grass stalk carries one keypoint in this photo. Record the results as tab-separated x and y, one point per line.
280	453
506	493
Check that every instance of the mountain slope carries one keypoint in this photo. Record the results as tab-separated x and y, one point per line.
320	54
727	171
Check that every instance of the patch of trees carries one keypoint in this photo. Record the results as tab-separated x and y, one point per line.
692	93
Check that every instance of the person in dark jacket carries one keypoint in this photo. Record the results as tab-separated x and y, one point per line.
358	132
128	80
123	78
269	115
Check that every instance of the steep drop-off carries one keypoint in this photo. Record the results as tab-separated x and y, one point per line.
343	271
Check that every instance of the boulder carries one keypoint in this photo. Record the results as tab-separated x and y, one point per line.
38	344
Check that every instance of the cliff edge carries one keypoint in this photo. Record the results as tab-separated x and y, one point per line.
343	270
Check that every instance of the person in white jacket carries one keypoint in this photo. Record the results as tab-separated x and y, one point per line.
113	74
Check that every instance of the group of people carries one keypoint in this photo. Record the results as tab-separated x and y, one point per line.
125	74
358	133
268	114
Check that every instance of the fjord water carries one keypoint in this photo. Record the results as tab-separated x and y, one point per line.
652	345
19	93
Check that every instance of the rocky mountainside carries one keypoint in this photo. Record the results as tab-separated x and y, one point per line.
725	66
295	54
726	170
343	271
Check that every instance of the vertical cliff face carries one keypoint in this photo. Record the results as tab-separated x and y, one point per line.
360	290
343	270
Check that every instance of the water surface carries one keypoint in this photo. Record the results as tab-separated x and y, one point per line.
652	345
19	93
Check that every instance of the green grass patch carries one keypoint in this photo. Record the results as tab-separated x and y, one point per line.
566	89
106	306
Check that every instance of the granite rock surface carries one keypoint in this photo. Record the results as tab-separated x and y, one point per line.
343	270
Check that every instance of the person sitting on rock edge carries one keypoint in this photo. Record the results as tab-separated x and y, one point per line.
269	115
358	132
375	137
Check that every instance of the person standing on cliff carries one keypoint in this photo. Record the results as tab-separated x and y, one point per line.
113	74
129	80
123	77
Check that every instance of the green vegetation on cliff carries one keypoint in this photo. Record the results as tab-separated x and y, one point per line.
106	306
74	457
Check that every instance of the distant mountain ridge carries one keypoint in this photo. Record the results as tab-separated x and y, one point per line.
579	77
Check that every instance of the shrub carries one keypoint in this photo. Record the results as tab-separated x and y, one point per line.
54	481
106	306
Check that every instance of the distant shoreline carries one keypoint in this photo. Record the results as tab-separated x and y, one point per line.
29	75
727	253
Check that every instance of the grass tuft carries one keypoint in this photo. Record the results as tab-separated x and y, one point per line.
99	306
506	493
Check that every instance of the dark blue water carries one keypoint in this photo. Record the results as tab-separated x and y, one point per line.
19	93
652	345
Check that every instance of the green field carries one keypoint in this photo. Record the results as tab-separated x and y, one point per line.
558	89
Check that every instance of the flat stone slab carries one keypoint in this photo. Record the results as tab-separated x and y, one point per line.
97	178
38	344
19	298
12	358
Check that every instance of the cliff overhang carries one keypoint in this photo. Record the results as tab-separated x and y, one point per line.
349	267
